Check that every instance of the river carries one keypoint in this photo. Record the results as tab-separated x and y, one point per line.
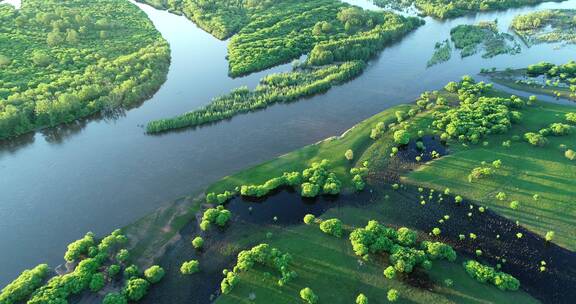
105	173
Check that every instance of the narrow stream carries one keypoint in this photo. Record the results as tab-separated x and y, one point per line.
105	173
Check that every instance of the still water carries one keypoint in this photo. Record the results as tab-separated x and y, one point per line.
105	173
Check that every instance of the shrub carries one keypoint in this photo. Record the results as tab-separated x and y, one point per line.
549	236
131	271
392	295
571	117
198	242
514	205
190	267
436	231
154	274
361	299
536	139
114	298
332	227
390	272
113	270
401	137
560	129
218	216
308	296
483	273
349	154
122	255
570	154
309	219
136	289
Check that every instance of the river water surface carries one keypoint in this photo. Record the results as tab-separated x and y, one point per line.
102	174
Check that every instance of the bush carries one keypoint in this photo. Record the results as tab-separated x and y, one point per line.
536	139
401	137
136	289
198	243
332	227
218	216
190	267
349	154
392	295
308	296
154	274
131	271
570	154
390	272
361	299
114	298
571	117
309	219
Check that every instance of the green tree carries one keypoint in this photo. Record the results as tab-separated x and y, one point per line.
308	296
114	298
392	295
154	274
136	289
190	267
361	299
401	137
198	243
97	282
332	227
309	219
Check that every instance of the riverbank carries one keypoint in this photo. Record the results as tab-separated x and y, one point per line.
304	241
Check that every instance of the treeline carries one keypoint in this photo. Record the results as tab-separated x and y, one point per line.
65	60
275	88
365	45
444	9
96	264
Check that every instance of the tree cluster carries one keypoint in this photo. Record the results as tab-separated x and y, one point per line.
218	216
483	273
262	254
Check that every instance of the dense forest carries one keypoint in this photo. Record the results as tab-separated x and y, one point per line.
268	33
546	26
336	59
453	8
64	60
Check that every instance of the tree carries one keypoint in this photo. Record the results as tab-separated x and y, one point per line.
401	137
113	270
115	298
549	236
190	267
136	289
97	282
436	231
406	237
390	272
4	60
72	36
308	296
514	205
392	295
570	154
309	219
332	227
122	255
349	154
198	243
131	271
154	274
54	38
361	299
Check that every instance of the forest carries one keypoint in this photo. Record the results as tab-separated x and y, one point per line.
335	60
444	9
61	61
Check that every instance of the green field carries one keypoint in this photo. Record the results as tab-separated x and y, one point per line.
526	170
328	266
358	139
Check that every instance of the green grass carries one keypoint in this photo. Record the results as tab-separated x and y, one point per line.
358	139
526	171
328	266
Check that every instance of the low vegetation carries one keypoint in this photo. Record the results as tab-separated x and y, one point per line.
470	39
546	26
